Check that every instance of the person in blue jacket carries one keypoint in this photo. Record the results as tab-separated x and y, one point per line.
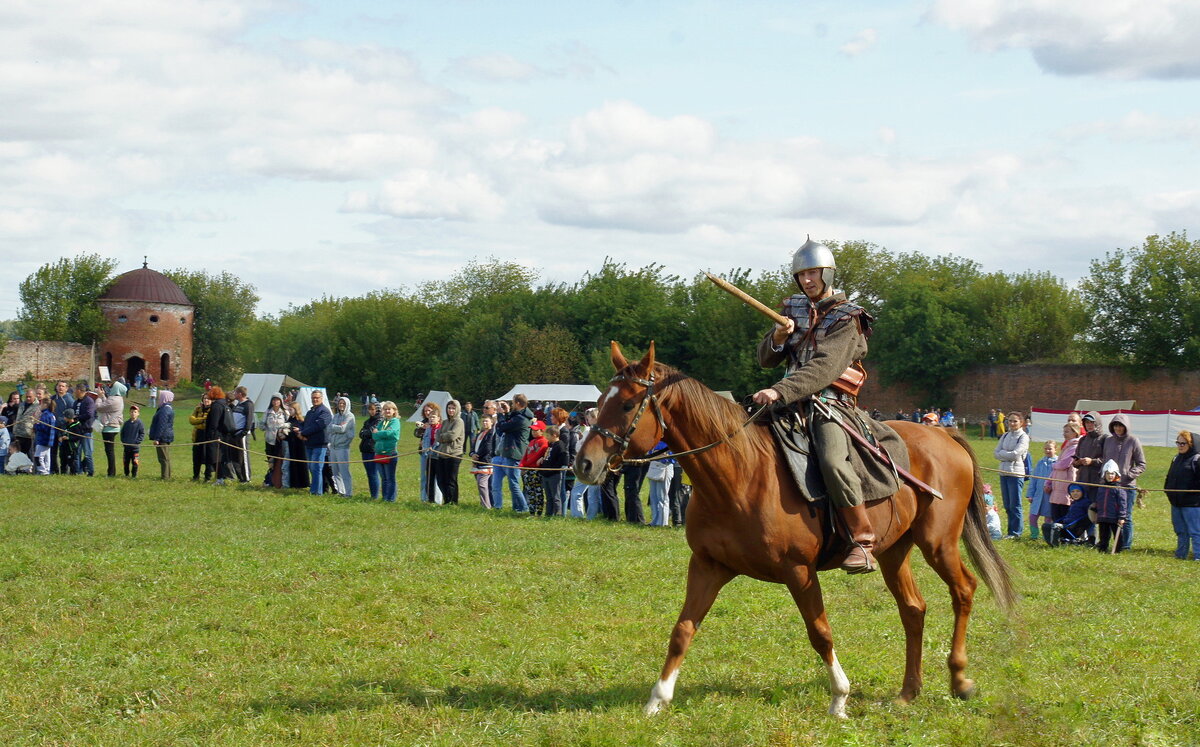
316	443
162	431
1113	503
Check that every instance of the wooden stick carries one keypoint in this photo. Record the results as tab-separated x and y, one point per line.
750	300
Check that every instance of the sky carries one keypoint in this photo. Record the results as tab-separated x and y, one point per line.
336	148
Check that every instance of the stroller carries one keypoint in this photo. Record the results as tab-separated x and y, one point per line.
1076	528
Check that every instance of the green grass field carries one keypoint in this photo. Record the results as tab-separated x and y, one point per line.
152	613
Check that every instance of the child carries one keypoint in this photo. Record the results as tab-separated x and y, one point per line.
555	458
18	462
1075	525
482	450
1113	503
5	441
1038	491
993	516
72	437
533	479
133	432
44	437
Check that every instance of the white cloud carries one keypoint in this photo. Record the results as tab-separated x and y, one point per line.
619	129
1122	38
1140	126
426	194
861	42
494	68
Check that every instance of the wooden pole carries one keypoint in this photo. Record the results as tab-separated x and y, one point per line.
750	300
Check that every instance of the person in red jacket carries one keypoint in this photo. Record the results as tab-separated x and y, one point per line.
533	479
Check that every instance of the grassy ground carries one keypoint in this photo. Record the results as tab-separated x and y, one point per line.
144	612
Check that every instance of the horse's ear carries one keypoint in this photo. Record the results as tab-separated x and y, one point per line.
648	359
618	358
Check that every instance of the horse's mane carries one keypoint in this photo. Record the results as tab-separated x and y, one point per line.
709	411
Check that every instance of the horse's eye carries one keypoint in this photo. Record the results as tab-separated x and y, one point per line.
628	406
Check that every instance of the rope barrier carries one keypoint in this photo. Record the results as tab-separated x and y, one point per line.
1002	473
640	460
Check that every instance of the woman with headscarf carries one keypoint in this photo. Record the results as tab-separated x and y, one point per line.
449	449
1184	475
110	411
162	431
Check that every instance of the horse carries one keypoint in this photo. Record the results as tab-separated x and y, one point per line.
747	517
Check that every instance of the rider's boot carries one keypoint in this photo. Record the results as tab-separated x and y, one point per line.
862	539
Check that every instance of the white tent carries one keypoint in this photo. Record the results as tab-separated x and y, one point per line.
1086	405
304	398
555	392
260	387
438	397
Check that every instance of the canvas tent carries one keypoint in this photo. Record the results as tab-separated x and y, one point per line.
1086	405
439	397
555	392
260	387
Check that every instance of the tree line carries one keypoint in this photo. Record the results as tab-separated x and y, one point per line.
493	324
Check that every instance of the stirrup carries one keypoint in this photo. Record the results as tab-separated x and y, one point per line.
868	564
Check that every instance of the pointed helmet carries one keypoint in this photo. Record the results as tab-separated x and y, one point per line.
812	255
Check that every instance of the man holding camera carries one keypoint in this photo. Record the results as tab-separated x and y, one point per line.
513	427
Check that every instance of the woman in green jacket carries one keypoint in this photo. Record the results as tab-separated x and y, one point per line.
386	437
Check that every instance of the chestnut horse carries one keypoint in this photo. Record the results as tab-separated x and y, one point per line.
747	517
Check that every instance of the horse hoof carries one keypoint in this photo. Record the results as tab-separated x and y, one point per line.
654	707
966	692
905	698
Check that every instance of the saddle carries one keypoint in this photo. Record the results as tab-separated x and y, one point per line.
791	431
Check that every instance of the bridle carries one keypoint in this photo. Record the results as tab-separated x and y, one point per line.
649	399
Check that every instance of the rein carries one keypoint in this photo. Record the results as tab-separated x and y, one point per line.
650	398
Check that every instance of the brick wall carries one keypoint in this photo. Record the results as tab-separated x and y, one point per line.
45	360
147	331
1054	387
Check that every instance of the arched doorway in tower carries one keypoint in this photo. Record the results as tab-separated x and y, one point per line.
164	368
132	366
108	363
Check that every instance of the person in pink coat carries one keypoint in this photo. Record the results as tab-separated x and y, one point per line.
1063	473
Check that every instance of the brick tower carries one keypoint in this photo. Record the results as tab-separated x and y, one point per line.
149	327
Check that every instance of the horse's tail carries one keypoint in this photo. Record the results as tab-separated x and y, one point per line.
991	566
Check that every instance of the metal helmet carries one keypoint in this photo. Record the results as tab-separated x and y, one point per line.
813	255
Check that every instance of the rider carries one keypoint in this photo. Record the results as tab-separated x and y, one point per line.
825	336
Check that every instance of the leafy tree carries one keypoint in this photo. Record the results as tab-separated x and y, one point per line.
1027	317
224	316
547	355
1145	304
58	301
929	342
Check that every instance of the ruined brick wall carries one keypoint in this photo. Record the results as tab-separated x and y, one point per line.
146	331
1020	387
45	360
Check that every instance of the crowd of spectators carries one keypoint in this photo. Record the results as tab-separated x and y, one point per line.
1081	491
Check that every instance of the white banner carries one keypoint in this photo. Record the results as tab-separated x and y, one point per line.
1152	427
